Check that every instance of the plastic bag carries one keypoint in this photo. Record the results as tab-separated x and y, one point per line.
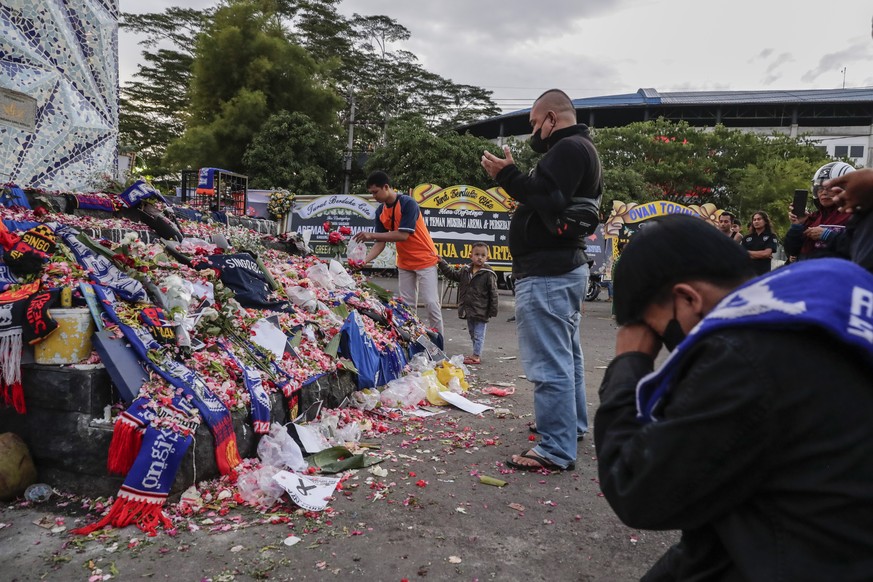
420	362
433	387
350	433
356	252
365	399
403	392
458	362
445	371
302	297
341	277
320	275
280	450
258	488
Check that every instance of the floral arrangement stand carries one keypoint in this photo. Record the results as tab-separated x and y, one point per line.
65	430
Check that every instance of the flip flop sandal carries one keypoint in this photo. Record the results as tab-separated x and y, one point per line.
541	464
579	437
470	361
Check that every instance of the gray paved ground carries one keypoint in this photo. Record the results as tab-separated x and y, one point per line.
538	527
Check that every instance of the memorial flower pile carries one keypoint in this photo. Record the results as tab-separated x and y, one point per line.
186	313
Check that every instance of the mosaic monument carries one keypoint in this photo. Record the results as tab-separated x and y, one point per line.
63	54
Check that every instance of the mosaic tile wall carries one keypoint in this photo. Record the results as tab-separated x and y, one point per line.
64	53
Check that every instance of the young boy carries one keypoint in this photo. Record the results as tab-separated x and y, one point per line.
477	295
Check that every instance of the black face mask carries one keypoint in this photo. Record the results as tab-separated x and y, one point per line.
673	334
536	141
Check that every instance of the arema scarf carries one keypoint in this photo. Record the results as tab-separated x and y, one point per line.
832	296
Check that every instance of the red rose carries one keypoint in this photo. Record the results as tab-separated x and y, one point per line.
334	238
326	226
345	230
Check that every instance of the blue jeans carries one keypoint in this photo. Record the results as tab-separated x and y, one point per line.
547	312
477	328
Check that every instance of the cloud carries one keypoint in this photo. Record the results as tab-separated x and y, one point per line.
508	19
834	62
516	48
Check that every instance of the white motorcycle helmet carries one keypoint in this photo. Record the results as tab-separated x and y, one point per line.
828	171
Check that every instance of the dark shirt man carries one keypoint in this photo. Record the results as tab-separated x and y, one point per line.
551	272
733	440
761	243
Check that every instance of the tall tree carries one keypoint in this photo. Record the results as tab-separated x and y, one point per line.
736	170
415	154
245	69
153	107
291	151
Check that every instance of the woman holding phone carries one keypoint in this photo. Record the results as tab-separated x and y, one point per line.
815	235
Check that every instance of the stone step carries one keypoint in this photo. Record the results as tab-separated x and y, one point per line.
69	440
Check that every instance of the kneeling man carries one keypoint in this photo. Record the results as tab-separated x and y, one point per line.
754	437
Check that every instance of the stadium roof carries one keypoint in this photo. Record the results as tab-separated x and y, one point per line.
807	108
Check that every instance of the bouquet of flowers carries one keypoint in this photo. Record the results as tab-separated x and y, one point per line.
280	203
336	238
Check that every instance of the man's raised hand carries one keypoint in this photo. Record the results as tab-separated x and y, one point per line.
494	164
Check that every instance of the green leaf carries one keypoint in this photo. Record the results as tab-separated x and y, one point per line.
347	364
486	480
341	310
295	339
338	459
333	346
380	292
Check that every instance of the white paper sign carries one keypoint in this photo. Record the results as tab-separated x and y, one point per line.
464	404
312	439
309	492
269	337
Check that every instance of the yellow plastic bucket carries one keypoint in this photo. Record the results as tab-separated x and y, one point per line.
70	343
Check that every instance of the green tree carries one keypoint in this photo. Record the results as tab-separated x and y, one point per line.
735	170
246	69
153	107
415	154
291	151
769	185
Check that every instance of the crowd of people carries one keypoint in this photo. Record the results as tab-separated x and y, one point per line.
752	437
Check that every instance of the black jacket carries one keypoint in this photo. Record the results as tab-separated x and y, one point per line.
795	245
859	237
477	292
570	169
764	458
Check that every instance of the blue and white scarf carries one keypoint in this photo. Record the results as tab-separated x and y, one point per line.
147	485
213	411
260	400
100	269
829	295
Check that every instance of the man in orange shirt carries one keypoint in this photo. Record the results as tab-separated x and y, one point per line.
399	220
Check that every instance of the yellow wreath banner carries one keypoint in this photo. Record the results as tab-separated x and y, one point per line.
633	212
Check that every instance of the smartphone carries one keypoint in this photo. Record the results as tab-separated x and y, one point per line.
799	204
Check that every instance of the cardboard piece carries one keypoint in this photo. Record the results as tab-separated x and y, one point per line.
124	369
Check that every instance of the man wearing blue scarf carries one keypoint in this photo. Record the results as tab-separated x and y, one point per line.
754	436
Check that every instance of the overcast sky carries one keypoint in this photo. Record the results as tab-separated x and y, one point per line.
519	48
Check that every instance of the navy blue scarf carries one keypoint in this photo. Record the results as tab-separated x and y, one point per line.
829	295
261	407
212	410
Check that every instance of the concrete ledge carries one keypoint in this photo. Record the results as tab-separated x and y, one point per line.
69	441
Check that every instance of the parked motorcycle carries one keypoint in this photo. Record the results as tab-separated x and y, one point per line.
594	281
